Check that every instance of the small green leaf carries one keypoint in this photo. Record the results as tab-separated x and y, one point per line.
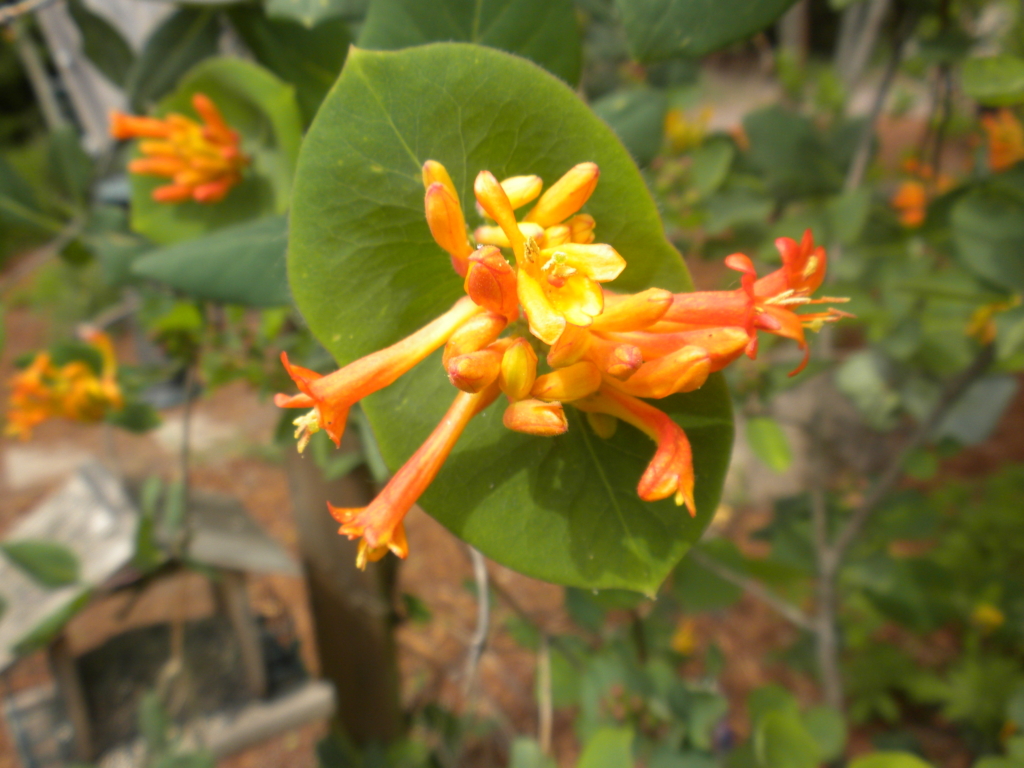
136	416
710	164
70	166
828	728
45	631
310	13
186	37
309	59
848	213
795	159
889	760
241	264
769	443
988	229
102	44
782	741
365	272
52	565
995	80
154	723
545	31
608	748
263	110
637	116
526	753
661	29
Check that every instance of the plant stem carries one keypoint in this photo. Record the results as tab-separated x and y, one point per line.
483	619
544	704
788	611
826	634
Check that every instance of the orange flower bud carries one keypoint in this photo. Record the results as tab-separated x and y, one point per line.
570	347
518	370
536	418
156	166
216	129
172	193
522	189
491	282
683	370
604	426
476	333
581	228
475	371
434	172
214	191
447	224
495	202
620	361
723	345
634	311
565	196
124	126
567	384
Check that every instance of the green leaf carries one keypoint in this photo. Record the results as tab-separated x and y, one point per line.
710	164
310	13
795	160
608	748
136	416
637	116
102	44
769	443
40	635
782	741
52	565
309	59
263	110
70	166
185	38
365	272
995	80
526	753
828	728
243	264
661	29
154	723
988	229
889	760
544	31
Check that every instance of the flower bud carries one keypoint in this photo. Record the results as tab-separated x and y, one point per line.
570	347
565	196
495	202
556	235
522	189
603	424
447	224
581	228
536	418
474	334
215	129
156	166
568	384
633	312
434	172
684	370
124	126
518	370
620	361
491	282
475	371
496	236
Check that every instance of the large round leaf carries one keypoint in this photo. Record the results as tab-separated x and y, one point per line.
263	110
365	272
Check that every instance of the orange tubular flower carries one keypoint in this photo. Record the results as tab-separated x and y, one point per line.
203	161
380	523
604	350
670	472
1005	139
73	391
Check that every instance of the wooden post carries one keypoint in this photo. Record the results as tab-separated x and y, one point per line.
69	687
351	608
233	601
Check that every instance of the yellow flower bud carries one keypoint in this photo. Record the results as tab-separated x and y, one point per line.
447	224
570	347
565	196
567	384
518	370
522	189
603	424
434	172
476	333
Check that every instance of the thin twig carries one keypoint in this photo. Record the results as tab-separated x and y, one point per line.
184	464
483	619
894	471
545	708
864	42
946	85
14	11
788	611
827	606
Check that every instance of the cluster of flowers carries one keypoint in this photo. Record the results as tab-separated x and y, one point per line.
203	162
604	351
73	391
